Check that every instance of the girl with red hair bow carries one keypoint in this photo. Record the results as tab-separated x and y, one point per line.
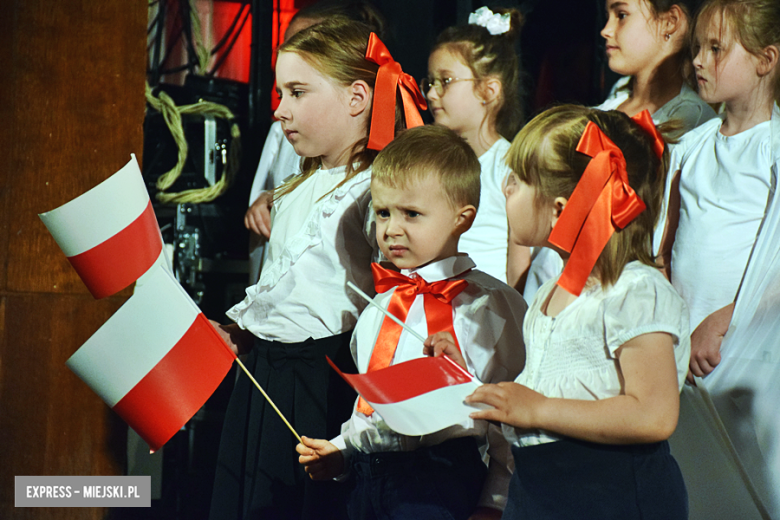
338	87
607	342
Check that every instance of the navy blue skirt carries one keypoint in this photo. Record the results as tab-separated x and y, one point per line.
573	479
442	482
258	475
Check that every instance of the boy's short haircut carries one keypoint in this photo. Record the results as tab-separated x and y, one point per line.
431	149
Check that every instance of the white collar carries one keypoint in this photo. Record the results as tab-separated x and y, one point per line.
442	269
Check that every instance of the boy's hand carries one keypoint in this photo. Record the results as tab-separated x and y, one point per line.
258	216
442	343
512	403
321	459
706	341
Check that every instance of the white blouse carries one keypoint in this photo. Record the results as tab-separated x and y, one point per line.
572	355
488	322
319	241
278	161
488	239
724	190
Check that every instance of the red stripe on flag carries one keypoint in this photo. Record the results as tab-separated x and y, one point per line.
170	394
120	260
406	380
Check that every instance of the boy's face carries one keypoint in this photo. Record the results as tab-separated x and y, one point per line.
417	225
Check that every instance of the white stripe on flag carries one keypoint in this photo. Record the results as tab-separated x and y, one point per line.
136	337
99	213
430	412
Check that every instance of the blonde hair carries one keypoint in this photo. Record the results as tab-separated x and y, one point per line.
755	24
336	47
543	155
431	150
491	56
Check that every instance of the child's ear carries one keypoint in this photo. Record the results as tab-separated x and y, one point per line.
673	23
359	97
558	205
465	218
491	91
768	60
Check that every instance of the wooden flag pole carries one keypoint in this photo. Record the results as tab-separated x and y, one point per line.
371	302
268	399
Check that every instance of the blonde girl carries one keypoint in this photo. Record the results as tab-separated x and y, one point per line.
607	341
300	310
722	239
278	160
473	87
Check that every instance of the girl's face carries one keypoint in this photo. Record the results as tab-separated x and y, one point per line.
314	111
632	36
529	222
725	71
458	107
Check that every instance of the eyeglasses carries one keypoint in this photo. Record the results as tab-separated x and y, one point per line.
440	84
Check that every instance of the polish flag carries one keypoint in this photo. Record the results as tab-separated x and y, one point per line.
110	233
417	397
156	361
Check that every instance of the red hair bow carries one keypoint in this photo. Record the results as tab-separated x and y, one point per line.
645	120
389	78
602	202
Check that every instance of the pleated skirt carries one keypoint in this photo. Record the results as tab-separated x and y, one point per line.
258	475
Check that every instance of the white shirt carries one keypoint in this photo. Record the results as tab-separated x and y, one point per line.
572	355
724	190
487	320
687	107
278	161
317	245
488	239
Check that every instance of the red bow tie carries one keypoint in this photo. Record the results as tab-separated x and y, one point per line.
438	313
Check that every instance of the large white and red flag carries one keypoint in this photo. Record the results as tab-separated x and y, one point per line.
417	397
156	361
110	233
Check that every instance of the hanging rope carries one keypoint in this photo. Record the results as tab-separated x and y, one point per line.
172	115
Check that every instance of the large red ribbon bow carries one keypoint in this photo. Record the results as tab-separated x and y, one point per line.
437	299
602	202
389	78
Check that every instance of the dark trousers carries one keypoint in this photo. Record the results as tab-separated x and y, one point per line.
440	482
571	479
258	475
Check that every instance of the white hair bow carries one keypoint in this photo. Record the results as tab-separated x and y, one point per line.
495	23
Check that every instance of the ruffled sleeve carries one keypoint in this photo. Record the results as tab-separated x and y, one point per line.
643	303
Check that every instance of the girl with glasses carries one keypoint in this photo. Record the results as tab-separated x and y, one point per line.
473	88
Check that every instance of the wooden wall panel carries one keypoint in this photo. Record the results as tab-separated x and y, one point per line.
72	91
80	103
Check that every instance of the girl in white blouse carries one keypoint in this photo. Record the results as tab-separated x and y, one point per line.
300	311
607	341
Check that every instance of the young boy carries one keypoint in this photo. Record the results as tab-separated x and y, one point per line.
425	192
